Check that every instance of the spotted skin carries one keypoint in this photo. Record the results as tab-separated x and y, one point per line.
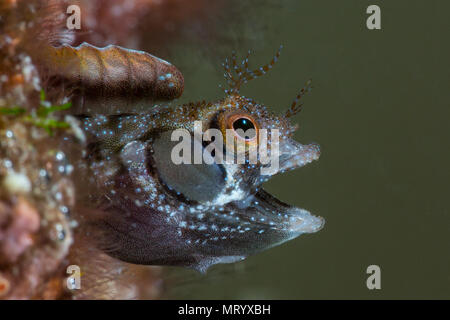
159	213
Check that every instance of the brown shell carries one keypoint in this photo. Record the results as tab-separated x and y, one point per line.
114	71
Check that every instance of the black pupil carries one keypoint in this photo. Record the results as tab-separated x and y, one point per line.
244	124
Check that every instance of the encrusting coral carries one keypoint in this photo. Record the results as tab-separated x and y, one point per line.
39	149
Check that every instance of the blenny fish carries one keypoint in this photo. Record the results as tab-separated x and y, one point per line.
156	212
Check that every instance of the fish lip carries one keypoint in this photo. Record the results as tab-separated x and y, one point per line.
308	223
291	220
294	155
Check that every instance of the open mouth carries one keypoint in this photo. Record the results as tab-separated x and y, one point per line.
266	217
278	216
269	215
217	226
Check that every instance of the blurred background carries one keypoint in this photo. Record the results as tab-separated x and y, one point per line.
380	110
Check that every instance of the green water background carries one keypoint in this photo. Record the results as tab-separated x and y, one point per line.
380	111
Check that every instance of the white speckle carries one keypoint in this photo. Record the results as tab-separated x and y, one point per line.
60	155
64	209
16	182
73	224
200	216
69	169
7	163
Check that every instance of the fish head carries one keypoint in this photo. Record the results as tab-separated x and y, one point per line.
186	188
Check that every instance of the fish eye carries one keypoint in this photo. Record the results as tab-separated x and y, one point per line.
244	127
244	124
